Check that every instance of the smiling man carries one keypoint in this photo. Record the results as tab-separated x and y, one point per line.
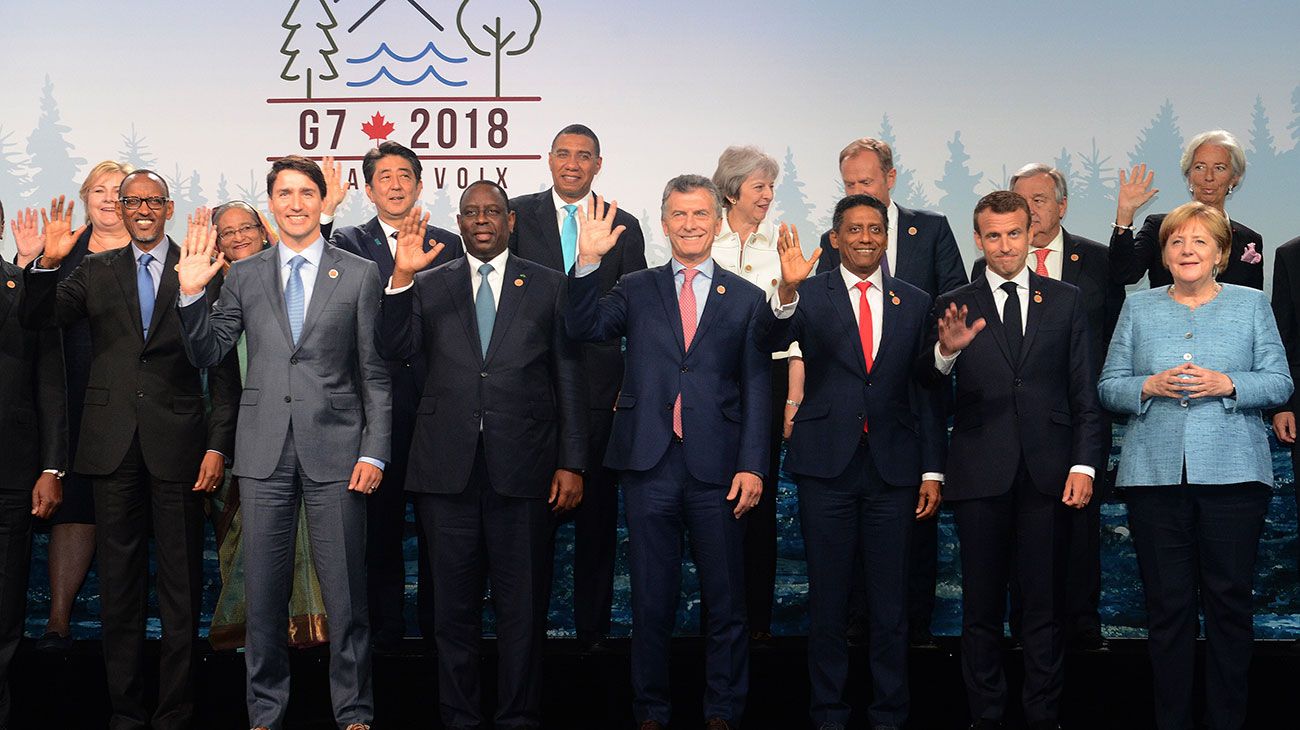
546	231
394	183
145	441
314	426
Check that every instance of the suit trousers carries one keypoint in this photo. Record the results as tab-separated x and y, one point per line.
15	557
509	534
128	503
385	531
595	539
336	525
1197	545
663	504
760	522
1020	531
857	516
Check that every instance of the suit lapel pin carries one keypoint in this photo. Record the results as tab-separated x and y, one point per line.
10	284
894	298
1074	257
519	281
334	273
722	289
911	231
775	282
1038	297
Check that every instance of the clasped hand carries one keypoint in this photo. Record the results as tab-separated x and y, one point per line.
1187	381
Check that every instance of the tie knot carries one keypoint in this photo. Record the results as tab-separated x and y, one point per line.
862	286
1042	254
570	209
296	262
1009	287
146	259
689	274
485	269
393	235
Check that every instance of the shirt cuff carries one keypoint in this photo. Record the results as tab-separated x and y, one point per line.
932	476
1085	470
188	299
37	265
783	311
943	363
584	269
373	462
326	219
390	289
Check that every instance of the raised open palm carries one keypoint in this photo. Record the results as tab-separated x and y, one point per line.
411	256
598	234
200	259
57	228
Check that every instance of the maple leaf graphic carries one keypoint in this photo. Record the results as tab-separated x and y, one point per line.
377	128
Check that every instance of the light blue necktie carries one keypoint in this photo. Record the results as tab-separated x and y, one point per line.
294	296
569	237
144	285
484	308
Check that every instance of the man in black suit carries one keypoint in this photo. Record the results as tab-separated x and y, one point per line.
1286	310
1061	255
546	231
146	442
1026	437
393	176
500	432
34	430
922	252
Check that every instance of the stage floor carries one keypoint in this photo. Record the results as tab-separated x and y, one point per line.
1104	689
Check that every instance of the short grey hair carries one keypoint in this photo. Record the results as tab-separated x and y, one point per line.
1222	138
736	164
1034	169
688	184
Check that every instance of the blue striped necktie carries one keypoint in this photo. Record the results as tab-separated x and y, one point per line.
144	284
294	296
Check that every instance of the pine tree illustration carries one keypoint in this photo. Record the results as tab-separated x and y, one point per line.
223	190
958	182
135	152
254	193
1160	147
1262	147
1092	201
315	15
908	191
14	180
791	203
1294	126
1065	165
53	168
656	253
194	190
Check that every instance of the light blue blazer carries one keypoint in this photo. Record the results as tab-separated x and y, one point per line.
1222	440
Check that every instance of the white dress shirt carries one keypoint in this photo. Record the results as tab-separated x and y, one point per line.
495	278
891	250
390	238
561	213
756	260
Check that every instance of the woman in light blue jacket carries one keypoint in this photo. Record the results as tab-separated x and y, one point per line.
1193	365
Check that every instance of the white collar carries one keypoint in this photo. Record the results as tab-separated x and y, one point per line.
561	202
996	281
877	278
498	263
312	253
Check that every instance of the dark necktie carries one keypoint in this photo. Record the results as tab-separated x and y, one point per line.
1011	320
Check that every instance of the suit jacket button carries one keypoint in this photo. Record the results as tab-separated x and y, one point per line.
1187	336
685	369
482	375
144	359
477	415
861	416
1019	382
406	364
139	394
293	361
288	399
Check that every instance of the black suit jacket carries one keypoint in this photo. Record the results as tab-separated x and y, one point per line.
136	385
33	396
1044	406
1286	309
537	238
1086	264
1132	257
525	394
927	255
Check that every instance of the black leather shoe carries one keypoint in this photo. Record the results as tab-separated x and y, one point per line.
51	642
1088	640
986	724
651	725
921	639
1045	725
717	723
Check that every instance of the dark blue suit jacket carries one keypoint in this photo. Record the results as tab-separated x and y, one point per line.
1044	406
927	255
527	393
905	418
724	379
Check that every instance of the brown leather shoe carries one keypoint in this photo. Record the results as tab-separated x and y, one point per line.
716	723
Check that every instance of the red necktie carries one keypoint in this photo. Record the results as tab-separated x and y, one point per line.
685	303
1041	253
864	330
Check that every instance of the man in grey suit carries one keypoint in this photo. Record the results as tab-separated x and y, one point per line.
308	311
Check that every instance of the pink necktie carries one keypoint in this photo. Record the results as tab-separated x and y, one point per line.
864	330
1041	253
685	303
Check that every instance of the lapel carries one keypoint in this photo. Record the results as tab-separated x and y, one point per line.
552	253
714	302
905	241
508	304
666	283
270	276
378	249
124	269
8	292
888	317
988	309
1035	313
456	279
839	296
168	287
1071	258
322	290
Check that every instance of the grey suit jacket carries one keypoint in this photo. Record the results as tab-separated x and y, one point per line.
332	387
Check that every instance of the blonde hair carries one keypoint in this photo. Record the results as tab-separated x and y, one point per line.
107	167
1214	221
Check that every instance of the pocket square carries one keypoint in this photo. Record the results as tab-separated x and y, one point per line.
1250	255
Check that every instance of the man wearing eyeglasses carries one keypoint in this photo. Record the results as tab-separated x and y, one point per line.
146	442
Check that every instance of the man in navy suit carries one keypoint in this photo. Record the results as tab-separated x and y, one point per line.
1058	254
867	453
546	232
500	431
922	252
393	183
690	435
1026	438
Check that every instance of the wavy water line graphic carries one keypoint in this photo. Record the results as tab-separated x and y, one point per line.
385	73
383	48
